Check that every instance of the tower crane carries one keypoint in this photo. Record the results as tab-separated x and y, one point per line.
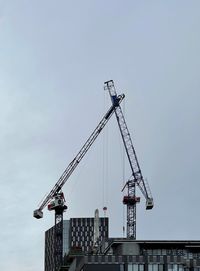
136	179
55	199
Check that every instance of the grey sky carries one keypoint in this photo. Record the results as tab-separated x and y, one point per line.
54	58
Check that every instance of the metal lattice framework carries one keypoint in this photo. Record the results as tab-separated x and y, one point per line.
58	234
58	238
71	167
136	178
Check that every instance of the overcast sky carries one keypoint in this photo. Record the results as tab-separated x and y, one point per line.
54	59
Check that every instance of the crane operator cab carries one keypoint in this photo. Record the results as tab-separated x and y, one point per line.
149	203
58	201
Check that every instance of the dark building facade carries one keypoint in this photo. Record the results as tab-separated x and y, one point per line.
127	255
82	232
78	236
117	254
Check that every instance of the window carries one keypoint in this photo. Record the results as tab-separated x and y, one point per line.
175	267
155	267
174	252
135	267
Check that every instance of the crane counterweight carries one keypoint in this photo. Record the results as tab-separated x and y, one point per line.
38	214
149	203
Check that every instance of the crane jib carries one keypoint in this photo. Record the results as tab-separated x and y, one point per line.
109	113
71	167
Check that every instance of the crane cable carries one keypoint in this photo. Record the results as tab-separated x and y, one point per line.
105	166
105	158
123	175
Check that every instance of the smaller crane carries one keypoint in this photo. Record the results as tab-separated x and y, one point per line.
136	179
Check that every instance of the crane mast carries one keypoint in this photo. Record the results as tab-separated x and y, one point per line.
136	178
